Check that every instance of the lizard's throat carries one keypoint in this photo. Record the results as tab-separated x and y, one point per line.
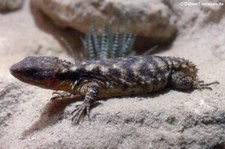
66	86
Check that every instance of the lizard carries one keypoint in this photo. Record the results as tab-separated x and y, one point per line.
116	77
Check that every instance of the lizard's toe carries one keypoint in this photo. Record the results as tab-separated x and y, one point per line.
201	85
80	112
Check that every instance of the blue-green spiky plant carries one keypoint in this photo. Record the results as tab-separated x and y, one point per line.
107	44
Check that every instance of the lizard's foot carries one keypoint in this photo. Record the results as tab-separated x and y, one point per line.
201	85
80	112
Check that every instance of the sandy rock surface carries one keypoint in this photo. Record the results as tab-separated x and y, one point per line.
168	119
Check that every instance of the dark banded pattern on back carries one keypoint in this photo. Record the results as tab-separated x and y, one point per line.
149	73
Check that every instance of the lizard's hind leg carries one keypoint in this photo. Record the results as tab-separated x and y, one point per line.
180	80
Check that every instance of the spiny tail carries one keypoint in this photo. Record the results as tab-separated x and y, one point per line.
107	44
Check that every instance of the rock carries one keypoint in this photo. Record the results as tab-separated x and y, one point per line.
150	21
187	13
10	5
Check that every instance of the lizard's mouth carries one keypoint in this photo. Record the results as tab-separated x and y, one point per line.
14	71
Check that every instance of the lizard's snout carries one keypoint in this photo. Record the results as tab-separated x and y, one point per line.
13	69
16	71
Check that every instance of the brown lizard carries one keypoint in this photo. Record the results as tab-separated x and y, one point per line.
116	77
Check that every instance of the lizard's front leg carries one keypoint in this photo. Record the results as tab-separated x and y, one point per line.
90	90
61	95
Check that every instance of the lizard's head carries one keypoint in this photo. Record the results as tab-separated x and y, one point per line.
39	71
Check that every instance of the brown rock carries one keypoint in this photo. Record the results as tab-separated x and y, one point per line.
10	5
150	21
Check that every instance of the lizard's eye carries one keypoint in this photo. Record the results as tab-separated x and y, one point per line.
30	72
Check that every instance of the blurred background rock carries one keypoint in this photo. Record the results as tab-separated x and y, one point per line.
10	5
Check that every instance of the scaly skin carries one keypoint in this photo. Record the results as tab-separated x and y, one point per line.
108	78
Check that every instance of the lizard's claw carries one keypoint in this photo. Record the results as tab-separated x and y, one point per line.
201	85
80	112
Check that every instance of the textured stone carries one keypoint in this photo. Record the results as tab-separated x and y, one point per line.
149	20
